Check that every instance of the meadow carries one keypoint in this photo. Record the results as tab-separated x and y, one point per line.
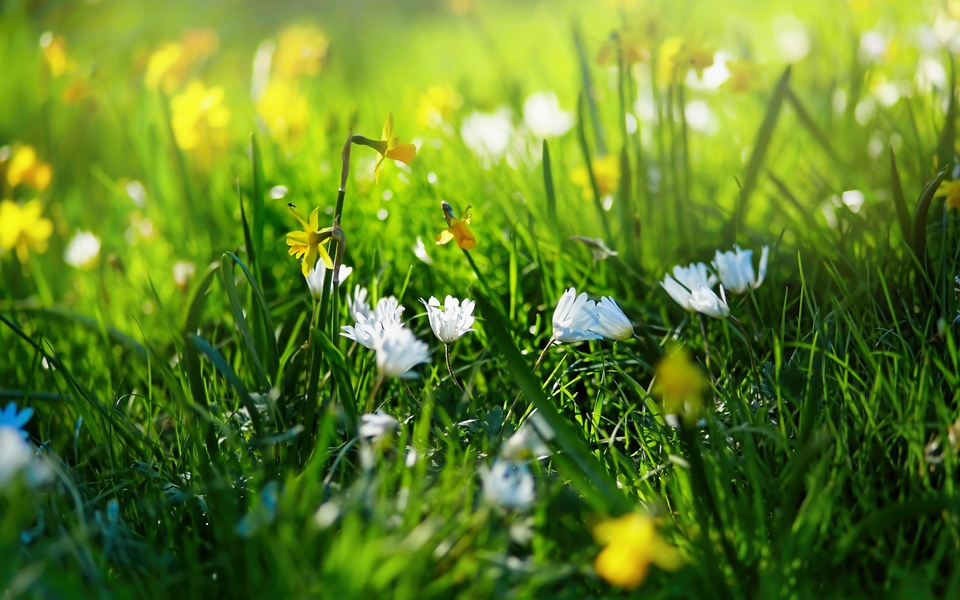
478	298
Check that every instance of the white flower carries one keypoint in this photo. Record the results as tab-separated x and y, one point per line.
316	275
15	454
685	280
736	269
398	351
358	303
705	301
612	323
574	317
183	272
508	484
597	247
370	329
529	440
488	135
452	320
544	117
82	249
13	420
375	427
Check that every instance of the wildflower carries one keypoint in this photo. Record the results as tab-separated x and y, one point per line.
744	75
284	111
457	229
508	484
183	272
597	247
695	56
23	228
301	50
25	168
437	105
574	318
681	384
316	275
690	287
15	455
611	322
54	50
377	427
308	244
632	46
606	172
544	117
487	135
82	250
14	421
450	321
198	117
398	351
170	63
530	441
370	329
736	269
631	543
950	191
357	303
389	146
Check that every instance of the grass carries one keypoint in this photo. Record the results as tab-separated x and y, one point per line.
201	435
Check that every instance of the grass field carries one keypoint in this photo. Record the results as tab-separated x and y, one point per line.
192	404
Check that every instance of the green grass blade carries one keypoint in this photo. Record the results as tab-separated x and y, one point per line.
341	375
903	215
221	364
588	163
920	217
262	319
259	208
551	193
230	287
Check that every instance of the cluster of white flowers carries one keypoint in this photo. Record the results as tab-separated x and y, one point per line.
692	286
578	319
397	349
508	482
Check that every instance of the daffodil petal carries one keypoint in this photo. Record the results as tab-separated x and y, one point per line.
405	153
444	237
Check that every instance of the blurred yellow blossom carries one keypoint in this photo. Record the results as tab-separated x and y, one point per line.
950	191
676	56
301	50
170	63
681	383
437	105
54	50
284	111
457	229
744	75
25	168
389	146
637	42
76	90
631	543
307	245
23	228
199	118
606	171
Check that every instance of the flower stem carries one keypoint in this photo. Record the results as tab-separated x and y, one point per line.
373	394
446	352
753	361
706	344
406	386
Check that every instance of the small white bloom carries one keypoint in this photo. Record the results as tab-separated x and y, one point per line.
82	249
529	440
685	281
15	455
612	323
398	351
574	317
357	303
370	329
13	420
420	250
705	301
544	117
736	269
183	272
376	427
316	275
597	247
450	321
508	484
488	135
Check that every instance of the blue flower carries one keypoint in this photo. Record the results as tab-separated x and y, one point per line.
9	417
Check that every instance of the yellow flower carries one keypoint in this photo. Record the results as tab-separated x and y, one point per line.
284	111
437	105
199	117
631	543
25	168
676	56
457	229
300	51
744	75
606	171
951	191
169	64
681	383
308	244
697	57
23	228
388	146
55	54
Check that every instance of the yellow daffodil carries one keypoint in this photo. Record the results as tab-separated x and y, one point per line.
676	56
695	56
950	190
25	168
389	146
284	111
437	105
631	543
681	383
635	44
170	63
55	54
300	51
22	228
198	117
457	229
307	245
606	171
744	76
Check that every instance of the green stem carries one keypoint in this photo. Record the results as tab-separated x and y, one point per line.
446	353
